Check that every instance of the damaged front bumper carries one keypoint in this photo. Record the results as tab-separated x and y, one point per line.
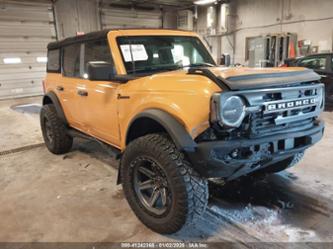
235	158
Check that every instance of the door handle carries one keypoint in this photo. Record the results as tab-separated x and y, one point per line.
82	93
60	88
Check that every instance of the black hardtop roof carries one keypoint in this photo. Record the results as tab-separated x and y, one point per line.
80	38
93	36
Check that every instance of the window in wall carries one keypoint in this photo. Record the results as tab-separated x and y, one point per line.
211	15
41	59
224	15
71	65
96	51
317	63
12	60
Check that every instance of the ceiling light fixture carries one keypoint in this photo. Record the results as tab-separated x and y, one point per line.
204	2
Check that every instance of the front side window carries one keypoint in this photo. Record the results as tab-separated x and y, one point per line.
147	54
53	60
71	60
317	63
96	51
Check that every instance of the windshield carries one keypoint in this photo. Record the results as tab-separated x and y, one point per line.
148	54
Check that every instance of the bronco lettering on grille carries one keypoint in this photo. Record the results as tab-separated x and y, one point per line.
271	107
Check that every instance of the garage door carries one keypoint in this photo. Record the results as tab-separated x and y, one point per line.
130	18
25	31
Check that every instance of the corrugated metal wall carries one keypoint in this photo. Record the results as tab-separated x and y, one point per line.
74	16
25	31
125	18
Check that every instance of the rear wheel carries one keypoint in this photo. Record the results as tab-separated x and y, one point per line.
54	131
161	187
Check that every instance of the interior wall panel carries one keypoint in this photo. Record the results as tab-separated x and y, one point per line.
74	16
25	30
112	17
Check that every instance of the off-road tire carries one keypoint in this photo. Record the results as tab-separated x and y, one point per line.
61	142
189	190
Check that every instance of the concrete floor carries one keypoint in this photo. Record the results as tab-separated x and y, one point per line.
74	198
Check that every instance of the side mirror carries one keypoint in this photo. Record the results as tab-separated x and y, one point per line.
101	71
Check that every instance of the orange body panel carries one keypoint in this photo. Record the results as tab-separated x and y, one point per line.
104	116
226	72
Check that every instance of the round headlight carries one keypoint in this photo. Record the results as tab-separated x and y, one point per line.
232	111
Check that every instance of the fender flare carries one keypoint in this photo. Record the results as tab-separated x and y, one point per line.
175	129
57	105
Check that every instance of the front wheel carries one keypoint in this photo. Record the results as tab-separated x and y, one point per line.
161	187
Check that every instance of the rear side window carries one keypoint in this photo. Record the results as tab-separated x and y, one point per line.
53	60
71	60
96	51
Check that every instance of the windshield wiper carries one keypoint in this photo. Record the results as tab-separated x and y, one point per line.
205	64
202	64
152	69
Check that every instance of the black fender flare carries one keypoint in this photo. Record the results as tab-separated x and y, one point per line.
174	128
55	101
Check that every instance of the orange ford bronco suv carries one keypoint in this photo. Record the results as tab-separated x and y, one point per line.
175	119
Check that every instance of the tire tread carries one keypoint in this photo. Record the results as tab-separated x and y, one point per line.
195	197
62	143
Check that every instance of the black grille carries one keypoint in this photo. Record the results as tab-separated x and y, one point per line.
264	124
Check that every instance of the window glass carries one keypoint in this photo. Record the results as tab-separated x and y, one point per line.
53	60
318	63
96	51
71	65
12	60
146	54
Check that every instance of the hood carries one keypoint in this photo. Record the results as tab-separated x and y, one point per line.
253	78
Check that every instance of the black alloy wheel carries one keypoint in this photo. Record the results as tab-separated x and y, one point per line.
151	185
48	130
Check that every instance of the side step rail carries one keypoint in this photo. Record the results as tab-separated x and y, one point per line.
112	151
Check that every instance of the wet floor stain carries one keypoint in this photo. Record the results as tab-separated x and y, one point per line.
27	108
276	199
275	191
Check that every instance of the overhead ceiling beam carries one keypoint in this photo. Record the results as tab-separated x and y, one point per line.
156	3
